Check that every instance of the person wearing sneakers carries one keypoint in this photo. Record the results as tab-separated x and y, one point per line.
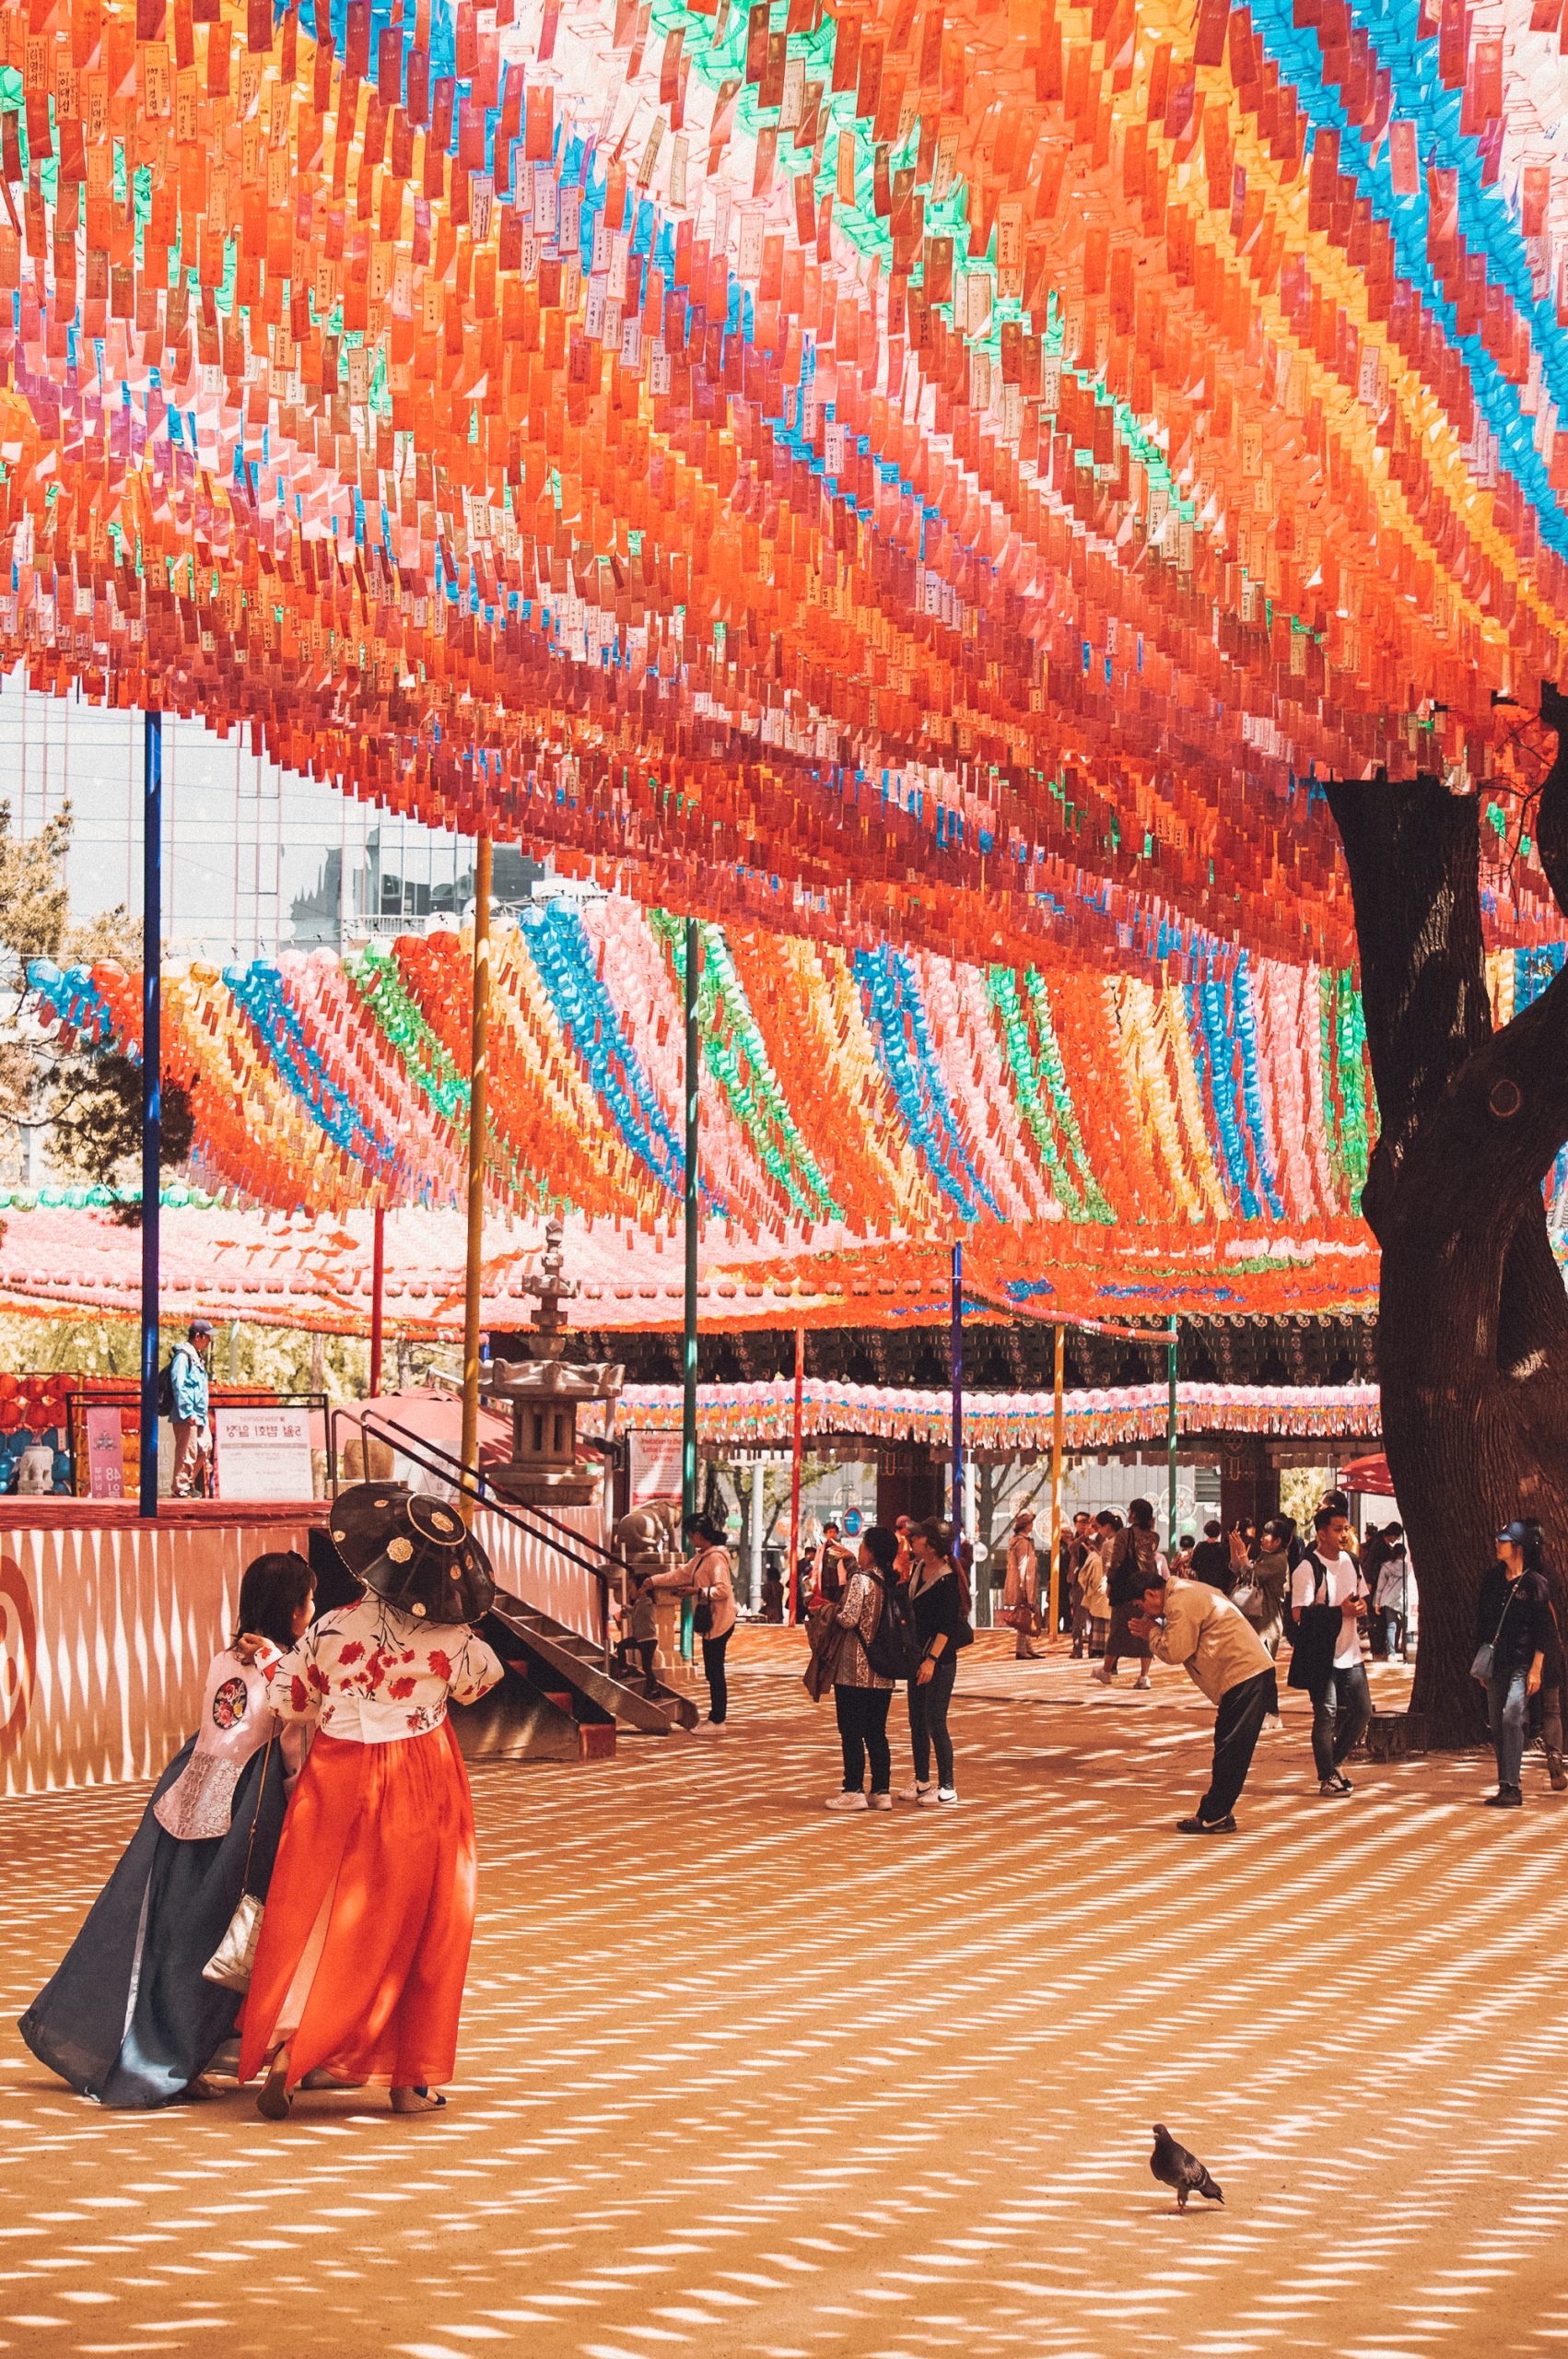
1514	1634
860	1695
707	1573
941	1610
1133	1563
1190	1622
1327	1583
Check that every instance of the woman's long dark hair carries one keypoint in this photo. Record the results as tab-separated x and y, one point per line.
881	1545
272	1589
1533	1549
939	1539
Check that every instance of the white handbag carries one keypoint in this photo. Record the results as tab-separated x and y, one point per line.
235	1955
231	1962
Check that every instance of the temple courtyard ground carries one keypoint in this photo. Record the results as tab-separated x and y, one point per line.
741	2077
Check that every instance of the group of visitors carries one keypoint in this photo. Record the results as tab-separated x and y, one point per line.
297	1907
902	1616
1226	1602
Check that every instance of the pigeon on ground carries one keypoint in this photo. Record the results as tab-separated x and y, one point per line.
1174	2167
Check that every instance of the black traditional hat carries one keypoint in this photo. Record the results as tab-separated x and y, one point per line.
413	1551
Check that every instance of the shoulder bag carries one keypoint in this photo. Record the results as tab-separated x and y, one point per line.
702	1612
1314	1635
232	1962
1480	1669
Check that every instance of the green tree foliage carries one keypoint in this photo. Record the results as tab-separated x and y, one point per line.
91	1101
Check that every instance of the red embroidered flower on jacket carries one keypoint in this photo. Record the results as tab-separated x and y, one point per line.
317	1678
441	1664
299	1695
351	1653
401	1687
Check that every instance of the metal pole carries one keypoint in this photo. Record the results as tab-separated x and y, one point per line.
152	1078
378	1297
958	1359
1171	1413
689	1362
692	1207
755	1537
795	1472
476	1141
1059	1437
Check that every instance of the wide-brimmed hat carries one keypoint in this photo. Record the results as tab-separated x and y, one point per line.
413	1551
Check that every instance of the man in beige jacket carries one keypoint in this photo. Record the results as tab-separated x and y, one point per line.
1187	1622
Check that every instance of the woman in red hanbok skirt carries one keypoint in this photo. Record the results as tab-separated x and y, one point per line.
364	1946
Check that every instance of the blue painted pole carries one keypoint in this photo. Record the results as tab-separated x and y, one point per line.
152	1061
957	1333
693	1207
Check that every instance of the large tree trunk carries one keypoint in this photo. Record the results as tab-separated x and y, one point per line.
1472	1334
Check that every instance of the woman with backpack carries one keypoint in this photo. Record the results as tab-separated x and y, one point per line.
861	1694
939	1605
1134	1566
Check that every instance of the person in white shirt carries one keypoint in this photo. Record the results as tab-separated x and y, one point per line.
1329	1578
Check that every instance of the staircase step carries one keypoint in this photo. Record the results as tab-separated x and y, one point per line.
596	1740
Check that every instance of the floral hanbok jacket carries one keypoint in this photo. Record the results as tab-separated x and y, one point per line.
369	1674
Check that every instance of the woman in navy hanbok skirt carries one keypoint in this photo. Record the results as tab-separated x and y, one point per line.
128	2019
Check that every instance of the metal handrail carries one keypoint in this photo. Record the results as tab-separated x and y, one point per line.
432	1458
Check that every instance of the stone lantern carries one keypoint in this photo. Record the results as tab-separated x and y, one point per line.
543	1393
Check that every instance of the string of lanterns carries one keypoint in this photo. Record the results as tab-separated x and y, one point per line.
959	483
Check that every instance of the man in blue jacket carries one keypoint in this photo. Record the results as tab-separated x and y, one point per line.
188	1385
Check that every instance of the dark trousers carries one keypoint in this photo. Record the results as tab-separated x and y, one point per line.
1242	1710
713	1671
863	1731
928	1721
1341	1711
644	1649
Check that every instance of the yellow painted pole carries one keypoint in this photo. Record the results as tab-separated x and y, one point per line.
1059	1421
476	1134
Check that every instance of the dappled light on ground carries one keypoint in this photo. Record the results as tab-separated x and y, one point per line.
738	2076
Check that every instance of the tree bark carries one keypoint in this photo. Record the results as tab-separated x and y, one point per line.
1472	1331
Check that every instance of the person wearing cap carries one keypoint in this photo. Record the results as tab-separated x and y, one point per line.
364	1945
1513	1636
189	1395
706	1575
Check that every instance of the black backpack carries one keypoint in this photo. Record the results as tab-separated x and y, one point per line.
893	1650
1314	1632
1293	1611
166	1388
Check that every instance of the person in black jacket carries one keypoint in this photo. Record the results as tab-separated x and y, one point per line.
1514	1618
941	1610
1212	1560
